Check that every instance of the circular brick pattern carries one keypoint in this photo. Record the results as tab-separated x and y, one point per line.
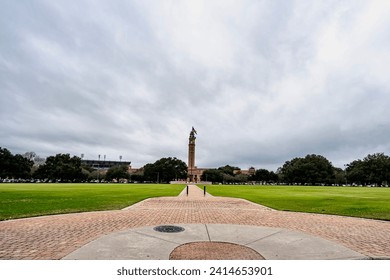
214	251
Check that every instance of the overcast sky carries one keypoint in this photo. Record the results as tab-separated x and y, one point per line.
262	82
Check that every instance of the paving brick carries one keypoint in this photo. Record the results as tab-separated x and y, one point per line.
214	251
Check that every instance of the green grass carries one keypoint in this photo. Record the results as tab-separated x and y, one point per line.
28	200
373	203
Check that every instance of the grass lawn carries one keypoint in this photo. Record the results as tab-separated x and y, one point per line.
347	201
28	200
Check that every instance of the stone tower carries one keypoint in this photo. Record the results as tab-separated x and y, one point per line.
191	155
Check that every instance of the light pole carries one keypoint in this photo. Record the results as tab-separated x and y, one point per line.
345	174
98	170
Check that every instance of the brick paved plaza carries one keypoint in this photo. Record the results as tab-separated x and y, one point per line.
53	237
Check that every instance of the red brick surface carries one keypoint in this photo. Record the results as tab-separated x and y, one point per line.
214	251
53	237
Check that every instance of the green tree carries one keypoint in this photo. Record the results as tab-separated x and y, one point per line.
137	177
21	167
14	166
377	167
273	177
373	169
312	169
61	167
212	175
117	172
262	175
356	172
241	178
339	175
6	159
165	170
288	172
230	170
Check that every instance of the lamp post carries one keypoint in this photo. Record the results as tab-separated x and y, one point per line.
98	170
345	174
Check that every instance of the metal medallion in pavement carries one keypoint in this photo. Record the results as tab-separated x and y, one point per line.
168	228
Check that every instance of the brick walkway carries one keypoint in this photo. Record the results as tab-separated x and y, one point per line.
214	251
53	237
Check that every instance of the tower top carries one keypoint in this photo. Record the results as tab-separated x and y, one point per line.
192	135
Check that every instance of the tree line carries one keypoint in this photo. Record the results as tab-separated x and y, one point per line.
66	168
312	169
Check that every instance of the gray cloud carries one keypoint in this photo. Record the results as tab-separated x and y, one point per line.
262	81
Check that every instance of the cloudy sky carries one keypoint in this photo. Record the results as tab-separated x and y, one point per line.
261	81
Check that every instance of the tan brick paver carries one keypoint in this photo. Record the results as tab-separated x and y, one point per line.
53	237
